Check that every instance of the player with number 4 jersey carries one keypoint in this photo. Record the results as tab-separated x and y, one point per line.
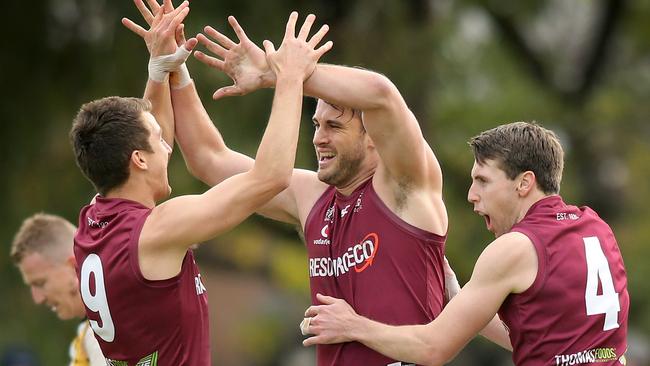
554	274
579	263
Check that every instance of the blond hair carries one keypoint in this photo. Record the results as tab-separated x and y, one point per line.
49	235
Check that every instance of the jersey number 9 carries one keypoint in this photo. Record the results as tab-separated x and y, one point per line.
97	302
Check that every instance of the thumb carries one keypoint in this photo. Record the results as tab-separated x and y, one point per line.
268	47
226	91
190	44
311	341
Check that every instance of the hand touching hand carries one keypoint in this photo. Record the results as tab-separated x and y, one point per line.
165	38
243	62
297	56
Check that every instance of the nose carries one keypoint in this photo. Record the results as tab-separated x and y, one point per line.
472	197
320	136
37	295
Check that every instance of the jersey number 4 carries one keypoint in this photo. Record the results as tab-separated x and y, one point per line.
598	272
97	302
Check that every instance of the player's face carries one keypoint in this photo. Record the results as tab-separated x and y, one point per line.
159	159
54	285
340	144
494	197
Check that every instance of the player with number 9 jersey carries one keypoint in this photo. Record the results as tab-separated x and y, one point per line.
579	263
169	325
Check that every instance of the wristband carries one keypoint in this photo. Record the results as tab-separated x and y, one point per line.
160	66
182	77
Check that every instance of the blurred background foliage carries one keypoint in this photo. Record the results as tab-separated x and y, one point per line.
579	67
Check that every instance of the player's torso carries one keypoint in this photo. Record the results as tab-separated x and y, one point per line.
383	267
576	311
137	320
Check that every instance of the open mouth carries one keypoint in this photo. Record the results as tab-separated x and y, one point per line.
325	158
487	221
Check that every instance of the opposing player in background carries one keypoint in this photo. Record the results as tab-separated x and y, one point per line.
554	274
143	292
42	251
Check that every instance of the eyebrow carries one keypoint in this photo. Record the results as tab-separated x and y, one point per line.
328	121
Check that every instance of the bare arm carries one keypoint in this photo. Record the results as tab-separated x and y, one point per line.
508	265
495	331
206	154
391	125
183	221
388	120
162	42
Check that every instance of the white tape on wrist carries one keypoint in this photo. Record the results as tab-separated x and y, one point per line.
160	66
183	77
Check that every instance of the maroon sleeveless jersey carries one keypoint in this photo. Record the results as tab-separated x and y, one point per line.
137	321
386	269
575	312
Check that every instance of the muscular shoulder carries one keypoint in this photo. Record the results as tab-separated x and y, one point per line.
510	259
418	205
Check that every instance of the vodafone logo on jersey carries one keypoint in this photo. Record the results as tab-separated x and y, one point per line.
324	232
358	257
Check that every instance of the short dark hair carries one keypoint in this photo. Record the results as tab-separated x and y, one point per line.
523	146
46	234
341	108
104	134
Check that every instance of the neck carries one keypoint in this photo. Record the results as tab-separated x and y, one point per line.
134	192
355	182
534	197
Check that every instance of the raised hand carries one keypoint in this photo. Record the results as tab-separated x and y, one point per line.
244	62
297	55
161	36
165	40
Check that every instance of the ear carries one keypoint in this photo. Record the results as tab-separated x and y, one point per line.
371	144
139	160
527	182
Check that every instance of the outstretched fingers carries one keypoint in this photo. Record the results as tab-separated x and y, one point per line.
306	27
290	31
320	51
153	5
145	12
239	31
177	15
215	48
224	41
209	60
129	24
167	4
318	36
